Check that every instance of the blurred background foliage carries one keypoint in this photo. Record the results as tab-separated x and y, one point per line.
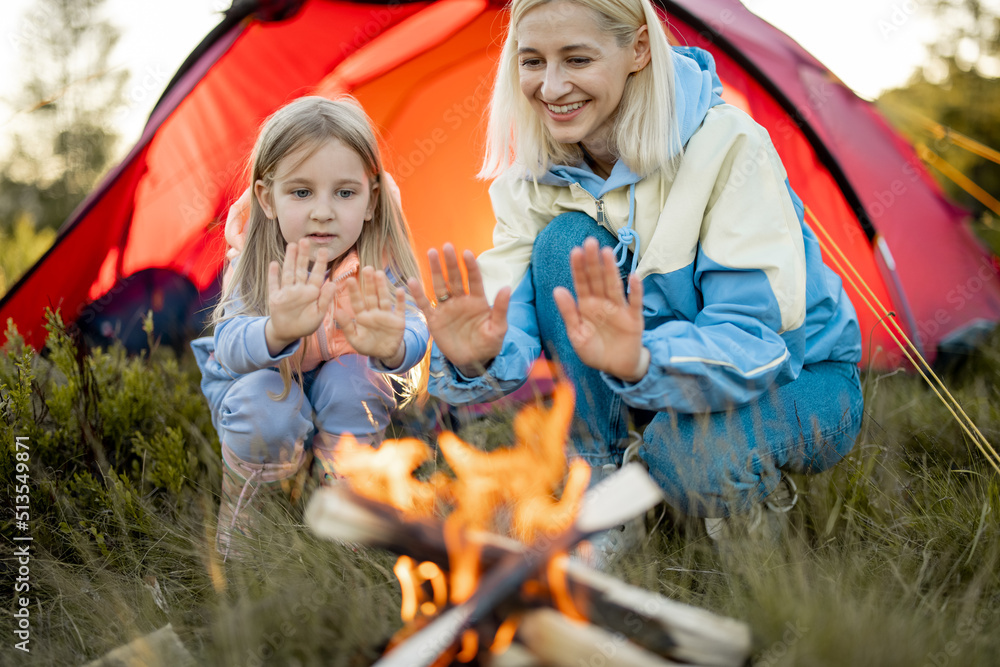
958	91
62	138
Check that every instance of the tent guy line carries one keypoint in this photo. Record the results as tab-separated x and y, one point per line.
846	268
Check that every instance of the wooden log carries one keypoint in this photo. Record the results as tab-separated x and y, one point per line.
560	642
662	626
160	648
515	656
673	629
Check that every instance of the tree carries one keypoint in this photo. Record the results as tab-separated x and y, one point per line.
958	90
969	35
63	139
964	102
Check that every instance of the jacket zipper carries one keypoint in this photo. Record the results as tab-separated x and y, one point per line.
601	218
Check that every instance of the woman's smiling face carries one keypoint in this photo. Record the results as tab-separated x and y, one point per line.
574	74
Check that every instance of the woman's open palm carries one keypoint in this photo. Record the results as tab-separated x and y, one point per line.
467	330
604	328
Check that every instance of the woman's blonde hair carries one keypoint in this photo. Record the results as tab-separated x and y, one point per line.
385	241
645	134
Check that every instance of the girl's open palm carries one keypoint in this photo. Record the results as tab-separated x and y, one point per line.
298	298
467	330
374	321
603	327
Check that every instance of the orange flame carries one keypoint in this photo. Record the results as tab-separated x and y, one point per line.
411	579
386	474
463	561
505	634
470	646
556	575
404	570
523	477
432	573
513	488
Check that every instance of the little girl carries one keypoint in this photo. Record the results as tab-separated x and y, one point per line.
304	336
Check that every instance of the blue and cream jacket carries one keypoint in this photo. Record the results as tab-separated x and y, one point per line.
736	297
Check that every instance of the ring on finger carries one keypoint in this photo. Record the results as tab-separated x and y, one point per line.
442	299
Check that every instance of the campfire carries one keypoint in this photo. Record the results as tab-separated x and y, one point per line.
492	580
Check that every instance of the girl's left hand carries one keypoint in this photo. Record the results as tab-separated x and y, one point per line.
376	318
603	327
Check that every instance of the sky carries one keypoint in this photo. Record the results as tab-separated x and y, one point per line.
872	45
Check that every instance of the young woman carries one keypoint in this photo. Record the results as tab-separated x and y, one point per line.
616	161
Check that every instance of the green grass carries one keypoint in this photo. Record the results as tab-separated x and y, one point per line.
892	557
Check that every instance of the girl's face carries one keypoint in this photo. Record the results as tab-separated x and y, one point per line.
324	196
573	73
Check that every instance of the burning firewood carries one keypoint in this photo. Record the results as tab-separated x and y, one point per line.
560	642
660	625
615	500
469	590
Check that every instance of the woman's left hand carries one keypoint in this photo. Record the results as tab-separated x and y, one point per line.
376	318
604	328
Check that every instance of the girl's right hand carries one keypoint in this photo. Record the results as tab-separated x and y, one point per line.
298	299
467	330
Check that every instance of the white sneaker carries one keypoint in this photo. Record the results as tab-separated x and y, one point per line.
631	452
603	549
764	522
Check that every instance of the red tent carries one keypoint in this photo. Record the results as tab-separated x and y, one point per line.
422	70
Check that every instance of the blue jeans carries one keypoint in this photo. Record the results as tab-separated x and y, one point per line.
709	464
341	396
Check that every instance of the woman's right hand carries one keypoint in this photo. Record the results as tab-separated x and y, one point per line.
467	330
297	299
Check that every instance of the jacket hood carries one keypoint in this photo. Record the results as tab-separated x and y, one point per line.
697	89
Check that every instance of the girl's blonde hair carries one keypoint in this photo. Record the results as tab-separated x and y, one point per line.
385	240
645	134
